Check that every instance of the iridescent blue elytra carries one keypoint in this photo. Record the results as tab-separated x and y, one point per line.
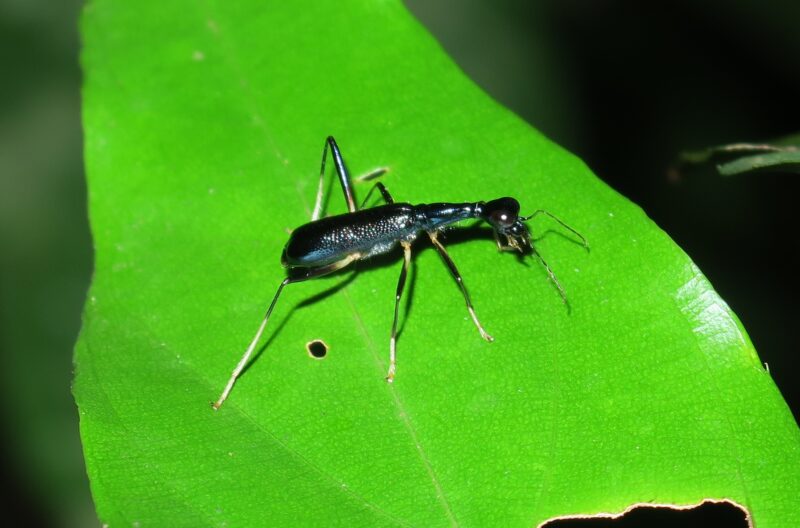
326	245
371	231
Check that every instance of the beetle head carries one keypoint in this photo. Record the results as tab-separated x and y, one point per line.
503	215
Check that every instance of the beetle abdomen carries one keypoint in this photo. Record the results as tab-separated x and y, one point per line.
367	232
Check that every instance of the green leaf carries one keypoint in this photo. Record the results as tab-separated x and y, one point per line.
204	129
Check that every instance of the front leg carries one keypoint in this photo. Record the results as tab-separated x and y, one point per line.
457	276
509	246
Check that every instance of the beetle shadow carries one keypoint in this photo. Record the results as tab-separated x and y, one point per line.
299	305
353	271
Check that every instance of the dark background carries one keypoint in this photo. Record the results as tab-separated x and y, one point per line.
624	84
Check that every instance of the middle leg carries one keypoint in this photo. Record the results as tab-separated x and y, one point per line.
384	194
400	286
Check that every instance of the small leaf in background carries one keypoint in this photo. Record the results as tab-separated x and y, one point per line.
204	126
781	156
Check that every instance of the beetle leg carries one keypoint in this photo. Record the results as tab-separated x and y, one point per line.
384	194
457	276
311	273
398	294
344	179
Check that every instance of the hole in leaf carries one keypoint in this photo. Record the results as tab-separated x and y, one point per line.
708	514
317	349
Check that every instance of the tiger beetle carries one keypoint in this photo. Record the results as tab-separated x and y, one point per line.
328	244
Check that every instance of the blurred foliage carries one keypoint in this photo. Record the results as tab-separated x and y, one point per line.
45	261
780	156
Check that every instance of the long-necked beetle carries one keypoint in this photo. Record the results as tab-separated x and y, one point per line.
326	245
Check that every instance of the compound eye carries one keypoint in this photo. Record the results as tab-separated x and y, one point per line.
502	218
